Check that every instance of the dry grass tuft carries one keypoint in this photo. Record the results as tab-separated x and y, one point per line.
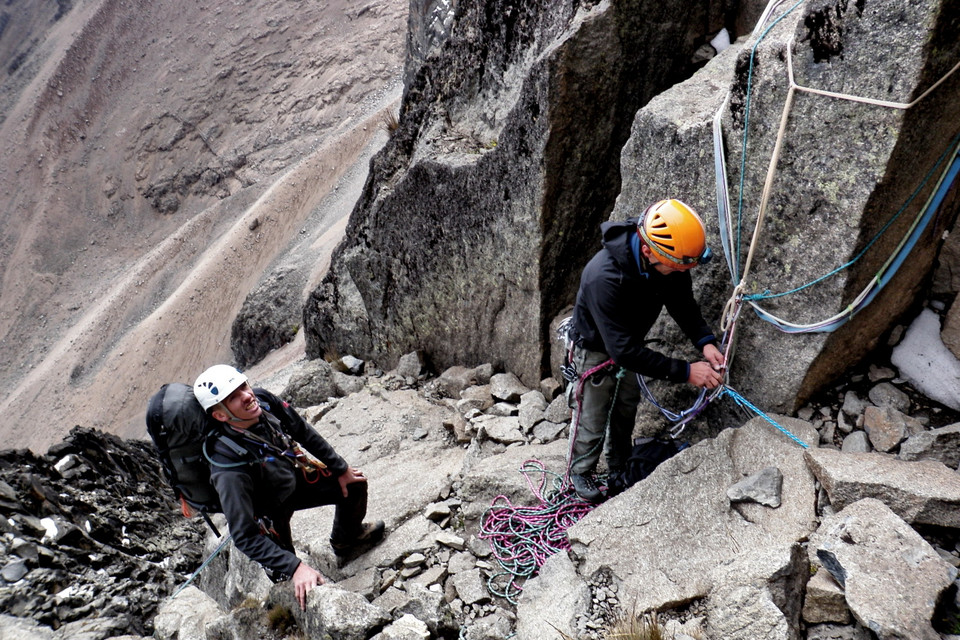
643	627
632	627
390	122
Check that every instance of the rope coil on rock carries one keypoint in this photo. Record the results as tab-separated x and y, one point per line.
523	537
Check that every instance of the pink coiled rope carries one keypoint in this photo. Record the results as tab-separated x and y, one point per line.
523	537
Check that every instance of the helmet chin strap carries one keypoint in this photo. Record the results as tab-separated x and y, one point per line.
231	417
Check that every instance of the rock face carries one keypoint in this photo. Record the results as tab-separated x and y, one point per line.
922	492
269	318
97	534
837	182
855	546
481	210
694	518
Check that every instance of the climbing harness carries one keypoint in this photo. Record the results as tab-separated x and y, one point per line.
575	383
579	406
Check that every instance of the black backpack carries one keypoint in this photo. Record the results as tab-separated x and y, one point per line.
179	426
646	455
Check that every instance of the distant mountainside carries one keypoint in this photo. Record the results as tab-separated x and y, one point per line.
159	160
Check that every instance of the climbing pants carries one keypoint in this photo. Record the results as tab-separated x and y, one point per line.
602	399
348	517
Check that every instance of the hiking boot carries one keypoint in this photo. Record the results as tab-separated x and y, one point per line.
586	488
370	534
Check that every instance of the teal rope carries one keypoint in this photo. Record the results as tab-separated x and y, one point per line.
522	537
743	402
203	566
949	151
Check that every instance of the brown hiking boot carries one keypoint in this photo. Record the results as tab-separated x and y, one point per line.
370	534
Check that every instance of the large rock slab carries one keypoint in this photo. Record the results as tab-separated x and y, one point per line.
374	424
186	616
662	537
550	602
334	613
892	578
921	492
758	597
399	441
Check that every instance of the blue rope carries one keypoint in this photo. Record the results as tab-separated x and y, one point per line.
743	402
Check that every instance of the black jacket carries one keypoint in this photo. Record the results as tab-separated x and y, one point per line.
255	483
621	296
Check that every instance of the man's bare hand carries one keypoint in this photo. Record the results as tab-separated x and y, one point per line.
304	579
702	374
350	476
714	357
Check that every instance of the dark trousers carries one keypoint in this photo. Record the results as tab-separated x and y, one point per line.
347	521
606	413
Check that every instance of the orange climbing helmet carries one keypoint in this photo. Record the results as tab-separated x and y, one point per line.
675	232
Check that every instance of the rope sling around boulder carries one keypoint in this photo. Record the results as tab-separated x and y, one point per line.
523	537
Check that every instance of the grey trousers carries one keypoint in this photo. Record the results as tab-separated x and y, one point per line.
605	397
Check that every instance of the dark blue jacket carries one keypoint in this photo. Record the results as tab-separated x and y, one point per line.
248	491
620	298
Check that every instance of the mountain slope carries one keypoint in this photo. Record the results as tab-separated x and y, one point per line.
144	140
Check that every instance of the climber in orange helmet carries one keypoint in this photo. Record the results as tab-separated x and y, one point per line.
643	267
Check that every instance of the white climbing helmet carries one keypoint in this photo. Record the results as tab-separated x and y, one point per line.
216	383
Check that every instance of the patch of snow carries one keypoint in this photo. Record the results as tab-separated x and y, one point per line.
926	363
721	41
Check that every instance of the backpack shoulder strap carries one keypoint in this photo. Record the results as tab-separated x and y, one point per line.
217	435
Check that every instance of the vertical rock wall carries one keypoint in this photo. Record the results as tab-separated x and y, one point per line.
484	206
847	168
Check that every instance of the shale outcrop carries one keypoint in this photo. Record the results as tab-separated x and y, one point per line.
92	540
